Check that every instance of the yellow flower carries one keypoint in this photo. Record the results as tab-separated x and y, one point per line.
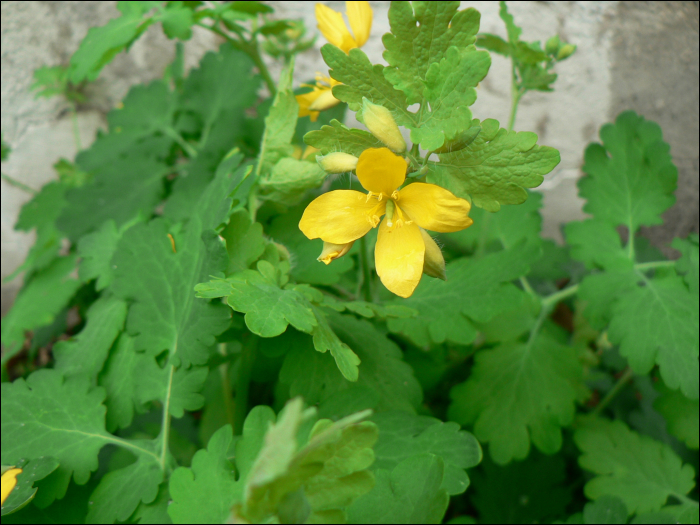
336	32
9	480
321	98
343	216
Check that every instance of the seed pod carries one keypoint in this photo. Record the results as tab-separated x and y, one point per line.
379	121
337	162
461	141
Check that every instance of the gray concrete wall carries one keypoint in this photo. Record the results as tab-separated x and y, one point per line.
637	55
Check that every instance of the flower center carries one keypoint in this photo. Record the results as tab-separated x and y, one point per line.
392	210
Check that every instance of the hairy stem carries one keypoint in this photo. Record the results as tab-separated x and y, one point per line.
515	94
186	147
17	184
226	386
165	427
76	129
245	366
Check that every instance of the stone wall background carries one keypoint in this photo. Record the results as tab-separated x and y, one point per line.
631	55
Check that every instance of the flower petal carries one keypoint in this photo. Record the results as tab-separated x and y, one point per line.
360	16
332	26
381	171
434	208
399	256
340	216
332	251
304	102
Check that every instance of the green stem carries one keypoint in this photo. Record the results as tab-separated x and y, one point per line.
483	235
186	147
76	129
630	243
254	52
526	286
366	273
643	267
226	387
245	366
553	299
253	203
125	443
544	312
17	184
624	378
515	95
165	428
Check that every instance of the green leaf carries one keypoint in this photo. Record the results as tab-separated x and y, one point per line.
38	304
314	376
630	178
654	320
49	416
642	472
680	413
520	393
605	510
338	137
493	43
121	491
244	241
531	491
595	243
24	491
688	264
402	435
205	492
156	511
326	340
280	124
177	21
96	250
496	168
86	353
411	493
476	289
290	179
103	43
511	28
361	79
421	34
164	313
450	87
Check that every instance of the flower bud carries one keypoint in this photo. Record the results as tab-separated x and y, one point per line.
461	141
552	45
566	51
434	262
324	101
333	251
337	162
379	121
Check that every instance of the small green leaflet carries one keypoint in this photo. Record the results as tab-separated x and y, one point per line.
402	435
596	244
290	179
411	493
496	168
338	137
449	89
49	416
361	79
642	472
86	353
630	177
96	250
680	413
476	289
606	509
688	264
24	491
102	43
421	34
654	320
121	491
177	21
41	299
244	241
520	393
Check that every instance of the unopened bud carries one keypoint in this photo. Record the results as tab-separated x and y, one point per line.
337	162
379	121
566	51
552	45
461	141
325	101
434	262
332	251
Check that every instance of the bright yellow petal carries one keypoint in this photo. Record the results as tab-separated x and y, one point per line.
332	26
341	216
325	100
304	102
434	208
399	256
360	16
9	481
381	171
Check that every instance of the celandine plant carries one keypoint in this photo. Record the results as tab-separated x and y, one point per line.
162	381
